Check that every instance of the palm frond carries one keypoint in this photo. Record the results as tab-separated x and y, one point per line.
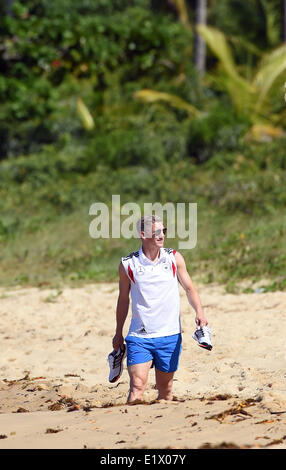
239	41
271	66
241	91
181	7
152	96
272	16
264	133
84	114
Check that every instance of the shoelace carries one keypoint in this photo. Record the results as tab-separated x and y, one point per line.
117	360
203	332
117	357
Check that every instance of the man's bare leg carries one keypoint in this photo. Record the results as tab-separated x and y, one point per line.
138	374
164	383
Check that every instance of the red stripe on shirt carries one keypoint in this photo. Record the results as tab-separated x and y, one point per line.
174	269
130	272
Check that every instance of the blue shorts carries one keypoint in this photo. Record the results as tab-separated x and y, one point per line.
163	351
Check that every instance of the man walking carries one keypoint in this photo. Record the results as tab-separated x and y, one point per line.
151	276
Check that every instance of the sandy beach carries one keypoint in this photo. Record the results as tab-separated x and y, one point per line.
54	385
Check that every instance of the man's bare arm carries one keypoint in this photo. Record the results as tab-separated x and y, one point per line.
192	293
122	307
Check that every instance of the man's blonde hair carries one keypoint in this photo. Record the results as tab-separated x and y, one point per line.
144	224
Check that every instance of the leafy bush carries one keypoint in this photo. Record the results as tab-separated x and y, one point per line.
268	155
43	49
251	158
254	193
104	7
241	19
219	129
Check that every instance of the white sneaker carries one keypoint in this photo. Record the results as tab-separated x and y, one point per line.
115	359
203	336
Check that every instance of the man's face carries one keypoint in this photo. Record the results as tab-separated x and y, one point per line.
157	235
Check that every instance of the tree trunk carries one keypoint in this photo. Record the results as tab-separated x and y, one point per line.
8	7
200	45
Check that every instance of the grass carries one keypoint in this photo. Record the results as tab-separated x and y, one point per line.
230	249
44	227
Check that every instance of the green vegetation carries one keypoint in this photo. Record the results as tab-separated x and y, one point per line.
102	98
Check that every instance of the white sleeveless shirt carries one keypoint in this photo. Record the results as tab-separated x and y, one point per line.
154	293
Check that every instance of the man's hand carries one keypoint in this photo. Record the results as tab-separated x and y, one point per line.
118	341
201	320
